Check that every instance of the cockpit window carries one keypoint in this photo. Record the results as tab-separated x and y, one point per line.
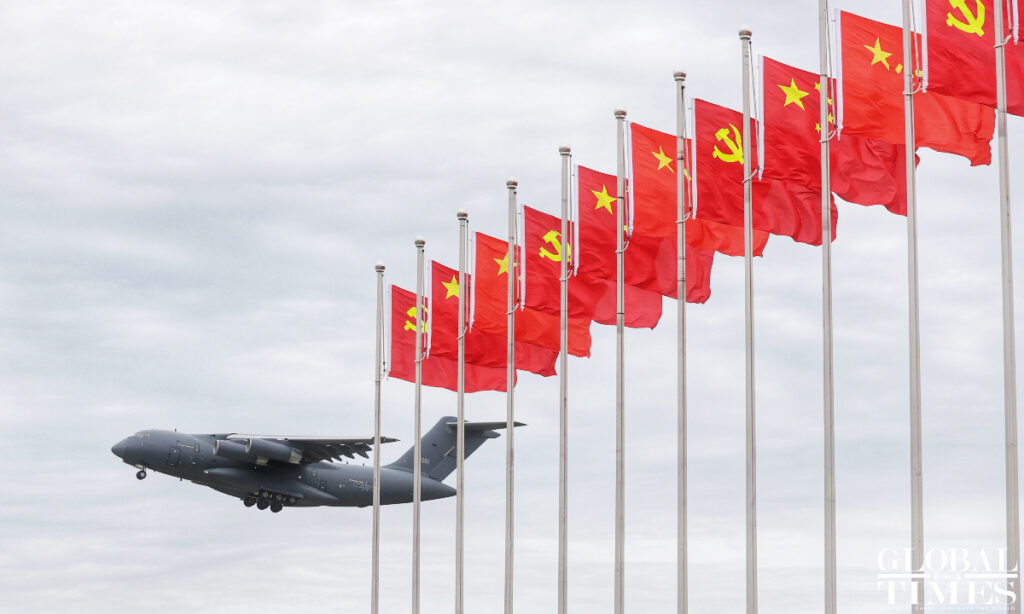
141	435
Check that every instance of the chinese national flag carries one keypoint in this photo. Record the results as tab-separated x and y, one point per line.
482	347
863	171
589	297
650	262
438	372
961	53
872	97
654	199
534	327
779	207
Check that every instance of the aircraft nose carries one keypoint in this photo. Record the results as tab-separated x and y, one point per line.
119	448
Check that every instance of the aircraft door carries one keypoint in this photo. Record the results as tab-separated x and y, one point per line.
173	455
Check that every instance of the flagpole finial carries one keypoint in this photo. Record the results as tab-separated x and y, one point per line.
379	267
462	214
620	114
680	75
420	241
511	183
745	33
564	150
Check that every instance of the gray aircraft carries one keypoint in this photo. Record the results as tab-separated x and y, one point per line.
275	472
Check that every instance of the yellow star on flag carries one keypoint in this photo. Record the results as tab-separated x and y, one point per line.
604	199
502	264
663	160
451	287
817	86
878	54
794	95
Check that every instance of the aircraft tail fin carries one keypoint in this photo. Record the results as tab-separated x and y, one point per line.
438	453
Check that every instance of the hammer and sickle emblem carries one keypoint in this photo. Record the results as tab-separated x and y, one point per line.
974	21
553	238
735	145
412	325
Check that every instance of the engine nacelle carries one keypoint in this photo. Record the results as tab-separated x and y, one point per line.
237	451
273	450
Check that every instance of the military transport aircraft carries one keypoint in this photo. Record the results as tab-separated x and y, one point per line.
269	471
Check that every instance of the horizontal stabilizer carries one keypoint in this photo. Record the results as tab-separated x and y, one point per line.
478	427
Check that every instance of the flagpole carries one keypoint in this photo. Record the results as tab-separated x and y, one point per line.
563	396
510	399
916	483
620	399
460	436
681	215
377	376
417	468
748	245
826	309
1009	351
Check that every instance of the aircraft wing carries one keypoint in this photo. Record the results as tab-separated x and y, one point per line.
313	449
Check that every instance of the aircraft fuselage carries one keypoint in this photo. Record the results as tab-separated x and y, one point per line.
191	457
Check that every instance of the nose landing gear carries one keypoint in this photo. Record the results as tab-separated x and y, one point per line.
141	475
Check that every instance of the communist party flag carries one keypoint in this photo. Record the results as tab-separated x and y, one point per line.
589	297
654	198
961	53
437	371
779	207
490	298
650	263
482	347
872	97
863	171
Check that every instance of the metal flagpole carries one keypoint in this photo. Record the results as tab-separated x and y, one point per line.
681	215
620	397
563	396
748	244
417	469
916	488
377	376
460	437
510	399
1009	351
826	310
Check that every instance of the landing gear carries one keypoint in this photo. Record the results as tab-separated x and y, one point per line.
262	504
249	501
141	475
276	507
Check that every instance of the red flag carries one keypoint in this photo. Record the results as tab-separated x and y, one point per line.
491	304
589	298
482	347
872	97
654	198
961	53
863	171
438	372
650	262
779	207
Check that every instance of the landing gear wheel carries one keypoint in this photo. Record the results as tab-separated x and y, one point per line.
249	501
141	475
276	507
262	504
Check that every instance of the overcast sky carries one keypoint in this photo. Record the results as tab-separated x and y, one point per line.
195	194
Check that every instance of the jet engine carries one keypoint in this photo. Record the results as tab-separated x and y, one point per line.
273	450
237	451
